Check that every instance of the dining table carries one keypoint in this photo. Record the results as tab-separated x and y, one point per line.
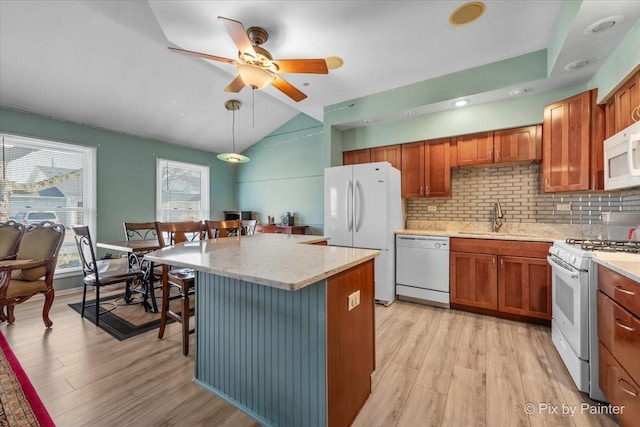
135	249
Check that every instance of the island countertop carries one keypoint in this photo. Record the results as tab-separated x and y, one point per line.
283	261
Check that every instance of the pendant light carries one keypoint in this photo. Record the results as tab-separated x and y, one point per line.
233	105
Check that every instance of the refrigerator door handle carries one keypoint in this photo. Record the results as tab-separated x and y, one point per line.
357	205
350	206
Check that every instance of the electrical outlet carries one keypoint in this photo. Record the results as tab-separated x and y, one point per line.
353	300
563	207
432	209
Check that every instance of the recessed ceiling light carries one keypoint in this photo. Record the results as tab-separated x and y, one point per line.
306	84
519	91
461	102
369	121
334	62
467	13
603	24
579	63
410	113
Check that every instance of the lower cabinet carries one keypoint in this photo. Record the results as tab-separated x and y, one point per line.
472	279
619	343
491	275
524	286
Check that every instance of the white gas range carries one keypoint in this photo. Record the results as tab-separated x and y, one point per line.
574	312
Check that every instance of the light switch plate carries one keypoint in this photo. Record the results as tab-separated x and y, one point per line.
563	207
432	208
353	300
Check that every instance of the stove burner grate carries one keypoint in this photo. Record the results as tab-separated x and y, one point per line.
606	245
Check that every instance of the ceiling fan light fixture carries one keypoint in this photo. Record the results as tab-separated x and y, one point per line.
334	62
255	76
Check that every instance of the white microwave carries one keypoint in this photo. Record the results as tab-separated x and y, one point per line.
622	159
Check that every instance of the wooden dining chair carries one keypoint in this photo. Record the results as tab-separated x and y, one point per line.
249	226
227	228
182	279
10	234
102	273
31	271
140	230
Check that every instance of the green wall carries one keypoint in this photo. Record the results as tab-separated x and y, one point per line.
126	170
286	173
491	116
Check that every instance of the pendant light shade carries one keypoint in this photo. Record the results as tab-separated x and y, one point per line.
254	76
233	105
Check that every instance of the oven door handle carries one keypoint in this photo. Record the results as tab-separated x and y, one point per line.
562	269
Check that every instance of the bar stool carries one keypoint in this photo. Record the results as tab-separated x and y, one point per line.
182	279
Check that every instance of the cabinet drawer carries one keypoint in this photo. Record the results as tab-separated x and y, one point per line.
619	388
619	331
621	289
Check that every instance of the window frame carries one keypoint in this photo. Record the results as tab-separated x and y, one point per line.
205	206
89	184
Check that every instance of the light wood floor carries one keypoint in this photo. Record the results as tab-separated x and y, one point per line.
434	367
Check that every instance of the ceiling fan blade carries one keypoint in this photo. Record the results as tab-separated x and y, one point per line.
288	89
235	86
239	35
313	66
202	55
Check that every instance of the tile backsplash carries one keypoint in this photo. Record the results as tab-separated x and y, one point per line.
474	190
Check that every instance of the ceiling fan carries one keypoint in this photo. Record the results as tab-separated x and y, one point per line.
257	68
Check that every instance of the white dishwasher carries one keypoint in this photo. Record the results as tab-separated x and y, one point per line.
422	269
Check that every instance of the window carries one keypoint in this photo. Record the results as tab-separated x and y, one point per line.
48	181
182	191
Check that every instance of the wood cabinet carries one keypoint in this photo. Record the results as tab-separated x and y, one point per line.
501	277
281	229
619	342
426	169
473	280
388	153
570	135
627	103
524	286
518	145
356	157
474	149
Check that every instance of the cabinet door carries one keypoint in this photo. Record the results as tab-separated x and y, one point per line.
412	170
524	286
565	144
518	145
473	280
627	98
356	157
437	180
388	153
476	149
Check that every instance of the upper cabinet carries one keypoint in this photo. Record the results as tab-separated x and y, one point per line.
627	103
623	107
426	171
475	149
572	144
502	146
356	157
388	153
518	145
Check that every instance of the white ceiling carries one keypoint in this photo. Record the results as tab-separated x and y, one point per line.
105	63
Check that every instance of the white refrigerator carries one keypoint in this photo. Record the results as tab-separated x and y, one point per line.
362	209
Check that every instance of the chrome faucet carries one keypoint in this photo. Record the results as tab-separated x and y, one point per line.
497	217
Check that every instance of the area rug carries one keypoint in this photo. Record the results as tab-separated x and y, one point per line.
126	320
20	405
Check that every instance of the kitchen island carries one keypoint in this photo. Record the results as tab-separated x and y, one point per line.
284	327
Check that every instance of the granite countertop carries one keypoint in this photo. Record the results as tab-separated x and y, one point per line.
481	235
276	260
626	264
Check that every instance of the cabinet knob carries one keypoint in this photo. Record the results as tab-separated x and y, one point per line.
625	389
624	291
426	193
498	154
501	264
490	154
